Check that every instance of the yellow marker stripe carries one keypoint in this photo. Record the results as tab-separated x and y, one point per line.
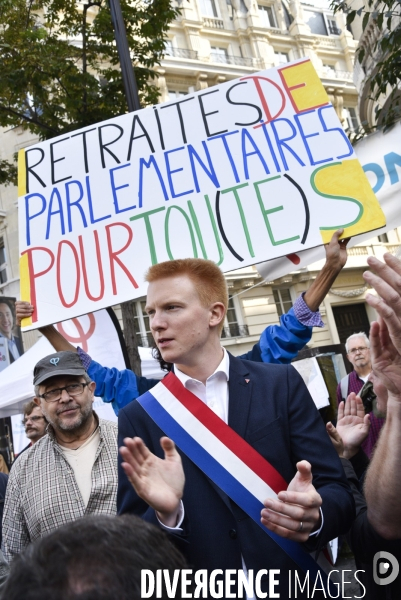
25	286
21	173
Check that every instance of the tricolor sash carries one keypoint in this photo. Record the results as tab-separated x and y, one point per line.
224	456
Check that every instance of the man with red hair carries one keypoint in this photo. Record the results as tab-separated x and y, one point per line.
265	408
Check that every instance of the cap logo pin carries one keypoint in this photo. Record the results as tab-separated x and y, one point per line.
54	361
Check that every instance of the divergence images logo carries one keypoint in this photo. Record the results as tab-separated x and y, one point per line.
385	568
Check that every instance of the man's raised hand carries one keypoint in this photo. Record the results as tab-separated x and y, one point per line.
160	483
352	426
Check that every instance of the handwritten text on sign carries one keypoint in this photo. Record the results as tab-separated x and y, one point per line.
240	173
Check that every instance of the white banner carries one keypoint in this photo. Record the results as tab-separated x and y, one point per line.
380	156
249	170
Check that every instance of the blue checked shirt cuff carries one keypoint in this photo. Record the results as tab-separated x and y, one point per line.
304	314
85	358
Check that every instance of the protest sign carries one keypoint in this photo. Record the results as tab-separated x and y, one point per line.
380	156
246	171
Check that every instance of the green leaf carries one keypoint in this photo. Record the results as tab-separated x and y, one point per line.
351	16
365	20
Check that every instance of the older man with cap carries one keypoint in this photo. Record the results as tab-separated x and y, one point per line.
72	471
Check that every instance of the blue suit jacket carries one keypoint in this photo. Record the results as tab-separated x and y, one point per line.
276	415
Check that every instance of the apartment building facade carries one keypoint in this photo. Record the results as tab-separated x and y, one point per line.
213	41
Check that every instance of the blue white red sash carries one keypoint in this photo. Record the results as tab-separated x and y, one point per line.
224	456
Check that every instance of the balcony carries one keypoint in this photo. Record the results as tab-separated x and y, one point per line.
181	53
213	23
335	74
227	59
235	330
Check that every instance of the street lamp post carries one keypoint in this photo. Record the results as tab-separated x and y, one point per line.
130	86
132	97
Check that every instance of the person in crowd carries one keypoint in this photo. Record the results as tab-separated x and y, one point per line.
278	343
71	471
97	558
3	464
3	487
267	406
377	527
6	331
34	422
357	347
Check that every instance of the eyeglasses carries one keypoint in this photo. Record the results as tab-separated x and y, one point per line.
360	349
34	419
74	389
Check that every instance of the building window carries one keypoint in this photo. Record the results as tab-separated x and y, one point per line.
208	8
219	55
332	26
283	300
141	324
383	238
281	58
3	262
288	18
174	94
316	22
168	48
352	119
267	16
329	70
232	326
320	23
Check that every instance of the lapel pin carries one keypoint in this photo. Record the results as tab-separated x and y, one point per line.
247	380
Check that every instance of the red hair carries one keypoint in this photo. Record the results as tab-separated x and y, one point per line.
206	276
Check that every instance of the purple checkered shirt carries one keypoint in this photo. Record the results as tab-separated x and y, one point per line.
85	358
304	314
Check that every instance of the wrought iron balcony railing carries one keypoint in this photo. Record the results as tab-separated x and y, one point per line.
228	59
235	330
181	53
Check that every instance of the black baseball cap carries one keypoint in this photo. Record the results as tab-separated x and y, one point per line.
59	363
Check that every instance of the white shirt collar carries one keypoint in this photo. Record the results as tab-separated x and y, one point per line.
224	368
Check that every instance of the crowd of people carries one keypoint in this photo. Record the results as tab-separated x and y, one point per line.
227	461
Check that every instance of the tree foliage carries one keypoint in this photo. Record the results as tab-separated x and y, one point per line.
385	52
60	65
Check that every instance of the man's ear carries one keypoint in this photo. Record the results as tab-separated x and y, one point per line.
92	386
37	401
217	314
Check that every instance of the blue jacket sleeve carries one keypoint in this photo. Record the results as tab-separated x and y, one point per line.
280	343
118	387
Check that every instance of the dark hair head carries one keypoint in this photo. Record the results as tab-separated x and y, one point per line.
28	408
94	558
165	366
9	303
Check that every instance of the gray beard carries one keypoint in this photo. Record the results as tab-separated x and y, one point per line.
83	418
